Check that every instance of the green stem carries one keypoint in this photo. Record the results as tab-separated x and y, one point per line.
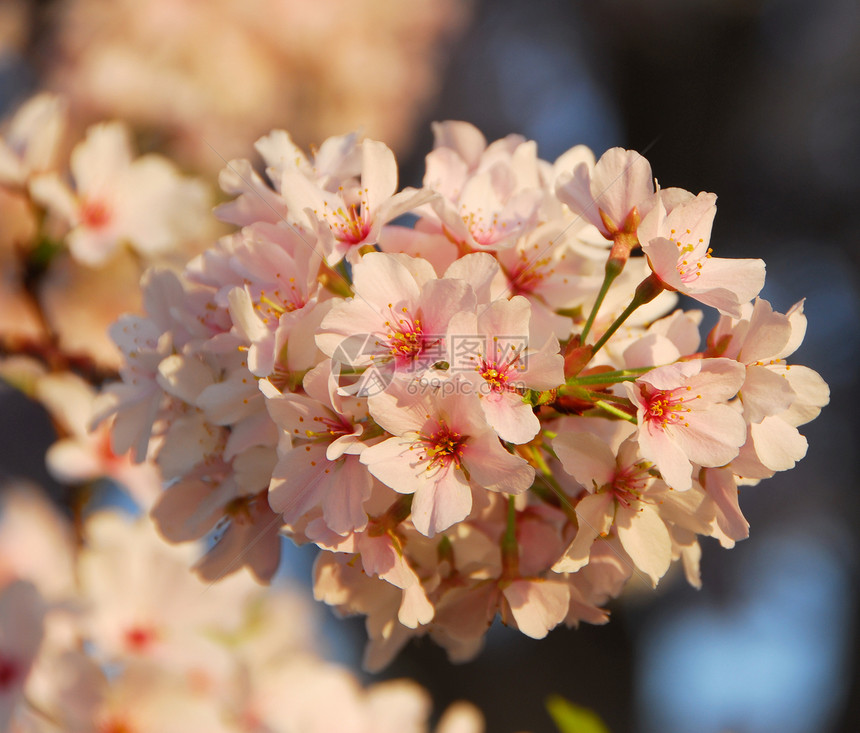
393	516
604	378
557	497
510	549
601	396
603	405
615	325
646	291
539	461
612	270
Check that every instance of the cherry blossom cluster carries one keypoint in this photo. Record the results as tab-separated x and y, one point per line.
193	75
81	220
117	636
494	410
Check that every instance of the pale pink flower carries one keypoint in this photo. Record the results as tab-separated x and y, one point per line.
623	497
666	340
614	195
401	307
503	362
721	485
277	299
560	172
480	585
777	397
675	240
337	160
176	316
246	530
36	542
441	449
381	551
319	456
139	696
351	217
338	583
254	201
552	268
684	419
32	139
117	199
424	241
489	196
82	455
533	605
144	601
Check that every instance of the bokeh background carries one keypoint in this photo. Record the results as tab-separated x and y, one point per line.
756	100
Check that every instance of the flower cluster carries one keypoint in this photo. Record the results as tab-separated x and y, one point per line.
82	219
496	411
193	76
117	636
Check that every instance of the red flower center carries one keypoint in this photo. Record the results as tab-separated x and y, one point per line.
94	214
665	407
9	672
139	638
443	447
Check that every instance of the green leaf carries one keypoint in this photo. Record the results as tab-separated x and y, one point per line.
570	718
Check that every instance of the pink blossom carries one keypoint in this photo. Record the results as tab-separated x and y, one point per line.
624	497
614	196
351	216
489	195
403	309
116	199
684	419
318	463
504	363
31	142
82	455
777	397
675	240
441	449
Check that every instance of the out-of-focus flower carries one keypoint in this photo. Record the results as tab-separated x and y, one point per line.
36	543
117	199
33	142
71	257
207	78
144	646
83	455
21	617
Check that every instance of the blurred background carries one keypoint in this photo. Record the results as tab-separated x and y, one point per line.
756	100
